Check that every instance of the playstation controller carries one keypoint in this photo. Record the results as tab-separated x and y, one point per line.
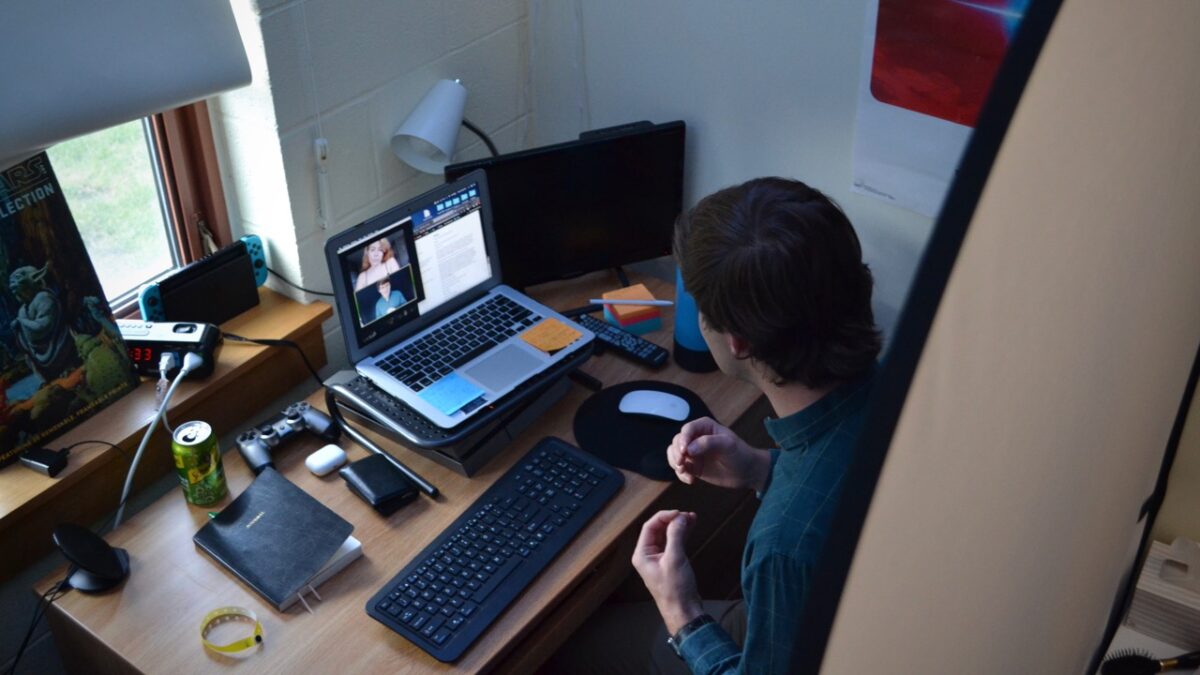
256	444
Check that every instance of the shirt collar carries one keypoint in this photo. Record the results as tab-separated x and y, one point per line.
801	427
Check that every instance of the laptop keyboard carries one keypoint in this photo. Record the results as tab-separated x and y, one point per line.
458	341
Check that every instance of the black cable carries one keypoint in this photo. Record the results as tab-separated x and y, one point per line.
297	286
276	343
484	137
111	445
621	276
123	452
577	311
56	591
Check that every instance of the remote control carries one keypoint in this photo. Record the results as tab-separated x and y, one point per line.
624	343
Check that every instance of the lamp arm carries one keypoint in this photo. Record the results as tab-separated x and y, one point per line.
484	137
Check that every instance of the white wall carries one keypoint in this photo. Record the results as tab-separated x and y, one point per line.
766	88
1180	513
769	89
361	65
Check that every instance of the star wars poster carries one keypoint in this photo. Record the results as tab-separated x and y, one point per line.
61	355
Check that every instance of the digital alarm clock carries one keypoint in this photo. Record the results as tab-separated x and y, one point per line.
147	341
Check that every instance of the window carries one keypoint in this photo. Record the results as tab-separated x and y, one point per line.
146	198
111	180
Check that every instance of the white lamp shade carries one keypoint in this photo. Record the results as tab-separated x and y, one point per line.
82	66
426	139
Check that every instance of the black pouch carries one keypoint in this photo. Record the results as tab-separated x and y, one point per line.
379	484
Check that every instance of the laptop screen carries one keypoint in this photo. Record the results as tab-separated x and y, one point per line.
412	260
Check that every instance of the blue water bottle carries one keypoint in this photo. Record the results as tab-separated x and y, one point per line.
691	352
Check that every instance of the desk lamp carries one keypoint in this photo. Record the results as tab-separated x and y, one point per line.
427	137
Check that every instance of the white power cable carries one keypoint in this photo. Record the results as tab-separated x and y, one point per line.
190	362
165	365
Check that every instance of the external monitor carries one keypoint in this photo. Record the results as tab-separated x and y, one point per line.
607	199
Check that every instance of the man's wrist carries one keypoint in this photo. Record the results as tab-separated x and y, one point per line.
676	639
678	615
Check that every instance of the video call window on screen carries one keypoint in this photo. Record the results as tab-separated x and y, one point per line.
412	265
383	276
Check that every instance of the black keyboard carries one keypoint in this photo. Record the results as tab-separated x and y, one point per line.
454	589
429	358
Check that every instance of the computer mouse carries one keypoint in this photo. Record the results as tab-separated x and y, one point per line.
654	403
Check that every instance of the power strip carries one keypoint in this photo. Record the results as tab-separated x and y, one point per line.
147	341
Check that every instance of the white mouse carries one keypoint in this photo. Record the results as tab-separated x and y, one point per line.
656	403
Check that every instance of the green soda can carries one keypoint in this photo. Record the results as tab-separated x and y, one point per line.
198	462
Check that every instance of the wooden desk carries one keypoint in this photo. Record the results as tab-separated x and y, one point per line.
31	505
151	623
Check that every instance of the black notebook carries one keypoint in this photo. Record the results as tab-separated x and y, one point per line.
275	537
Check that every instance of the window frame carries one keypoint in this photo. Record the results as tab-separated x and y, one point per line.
194	200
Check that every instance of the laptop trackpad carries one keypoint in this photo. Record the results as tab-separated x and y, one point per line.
503	368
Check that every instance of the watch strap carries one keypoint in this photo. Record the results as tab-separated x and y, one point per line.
676	640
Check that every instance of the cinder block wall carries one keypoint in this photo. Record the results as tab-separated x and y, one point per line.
351	71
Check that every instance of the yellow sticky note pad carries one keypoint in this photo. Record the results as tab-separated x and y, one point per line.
551	335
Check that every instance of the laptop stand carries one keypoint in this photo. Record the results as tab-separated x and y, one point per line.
466	448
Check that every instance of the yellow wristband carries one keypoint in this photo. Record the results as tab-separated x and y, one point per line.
224	614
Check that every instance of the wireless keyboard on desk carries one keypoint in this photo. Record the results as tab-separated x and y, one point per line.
455	588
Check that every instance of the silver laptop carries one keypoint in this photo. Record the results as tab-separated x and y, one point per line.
423	312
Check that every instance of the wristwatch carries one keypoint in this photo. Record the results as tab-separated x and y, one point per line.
676	640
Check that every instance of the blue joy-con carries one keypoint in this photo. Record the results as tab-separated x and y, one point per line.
258	259
151	303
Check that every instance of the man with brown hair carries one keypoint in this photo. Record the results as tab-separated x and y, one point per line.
785	304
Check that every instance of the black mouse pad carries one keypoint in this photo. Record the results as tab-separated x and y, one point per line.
635	442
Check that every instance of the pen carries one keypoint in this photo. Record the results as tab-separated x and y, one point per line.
648	303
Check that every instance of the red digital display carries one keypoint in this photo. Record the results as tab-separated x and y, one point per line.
141	355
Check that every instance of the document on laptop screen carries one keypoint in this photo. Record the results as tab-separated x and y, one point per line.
451	257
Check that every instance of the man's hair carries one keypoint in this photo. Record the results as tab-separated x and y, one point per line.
777	264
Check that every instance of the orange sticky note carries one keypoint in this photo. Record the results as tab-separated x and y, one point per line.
630	313
551	335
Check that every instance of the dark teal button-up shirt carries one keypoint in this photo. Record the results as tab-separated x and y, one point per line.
787	535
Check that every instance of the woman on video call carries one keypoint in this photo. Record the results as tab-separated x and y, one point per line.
378	262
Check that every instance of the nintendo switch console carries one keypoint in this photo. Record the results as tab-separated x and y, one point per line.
213	289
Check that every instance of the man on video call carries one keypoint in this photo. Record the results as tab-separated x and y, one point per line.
785	304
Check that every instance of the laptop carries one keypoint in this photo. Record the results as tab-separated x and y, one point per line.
424	315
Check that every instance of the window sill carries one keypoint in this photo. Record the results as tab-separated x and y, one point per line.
31	505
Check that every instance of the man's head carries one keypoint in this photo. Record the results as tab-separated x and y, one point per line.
776	267
385	287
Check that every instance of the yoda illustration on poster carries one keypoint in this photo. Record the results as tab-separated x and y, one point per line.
61	355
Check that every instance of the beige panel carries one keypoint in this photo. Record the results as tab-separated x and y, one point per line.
1041	406
1180	514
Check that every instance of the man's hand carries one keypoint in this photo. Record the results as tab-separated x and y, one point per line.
706	450
661	561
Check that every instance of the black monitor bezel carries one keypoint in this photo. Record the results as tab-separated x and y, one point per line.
588	139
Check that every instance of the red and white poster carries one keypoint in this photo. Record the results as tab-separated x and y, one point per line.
928	67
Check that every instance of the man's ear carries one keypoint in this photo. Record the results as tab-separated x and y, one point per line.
737	346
